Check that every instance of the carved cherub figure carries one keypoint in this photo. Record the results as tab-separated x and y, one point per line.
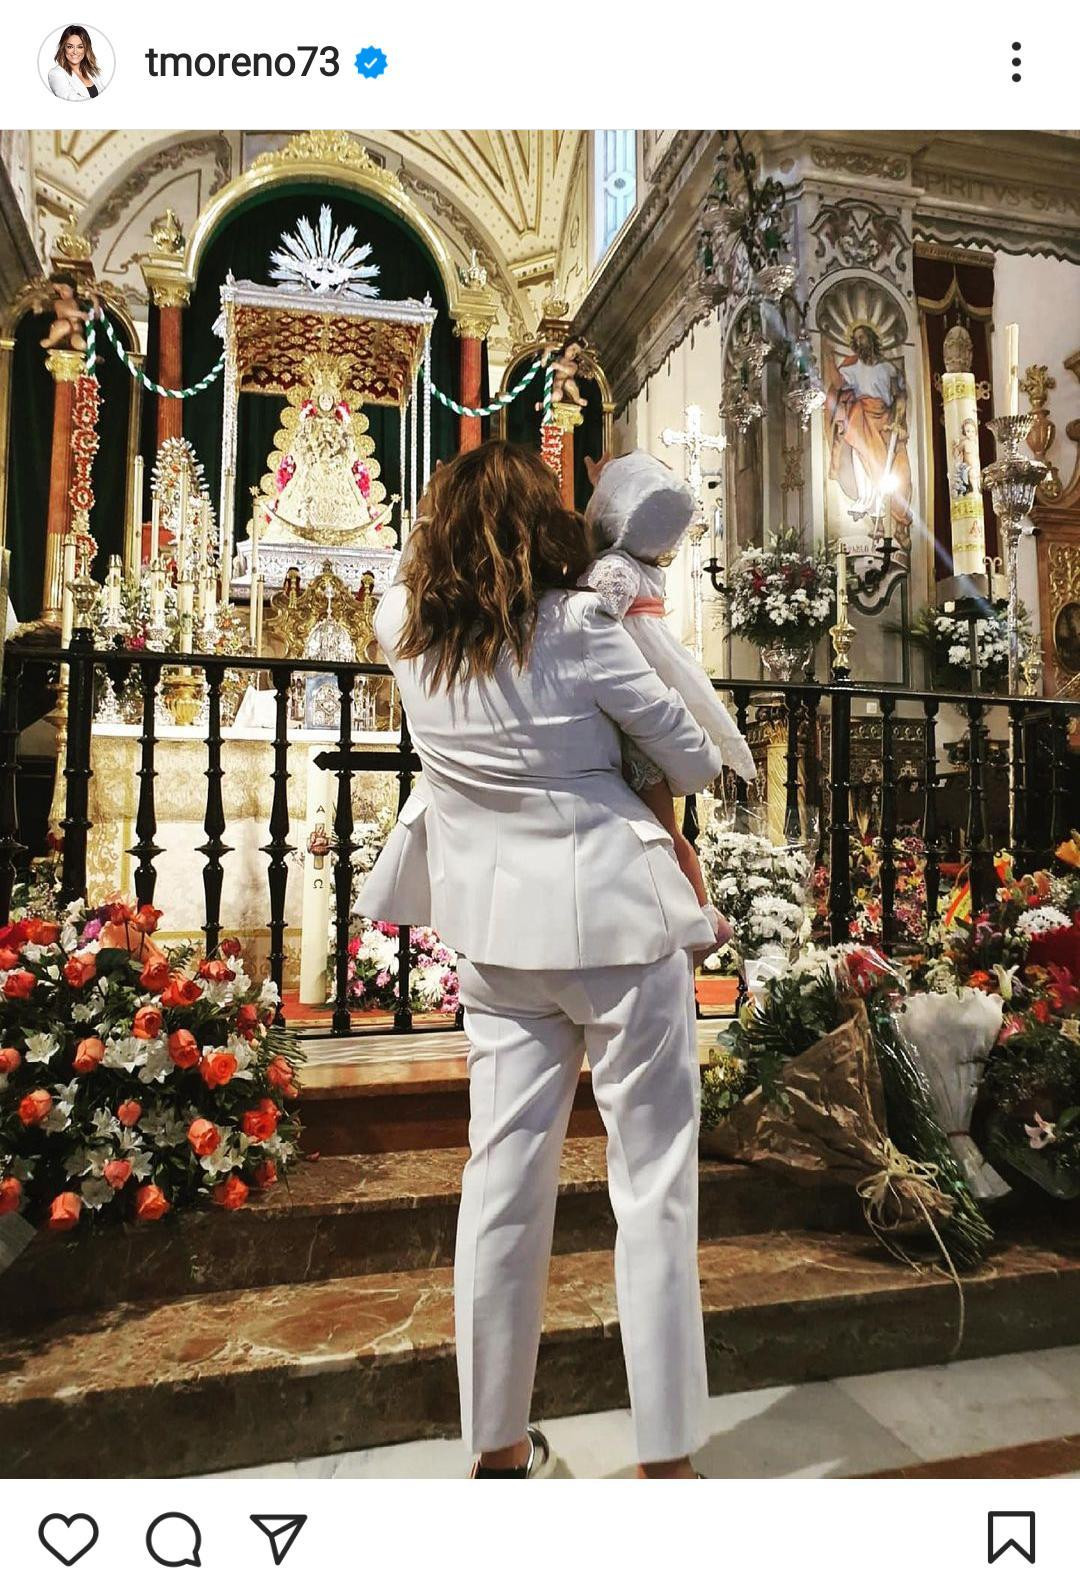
567	368
69	319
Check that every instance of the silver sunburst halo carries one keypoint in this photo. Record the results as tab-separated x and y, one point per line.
325	263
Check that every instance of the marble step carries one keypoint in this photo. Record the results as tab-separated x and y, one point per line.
367	1092
237	1379
355	1215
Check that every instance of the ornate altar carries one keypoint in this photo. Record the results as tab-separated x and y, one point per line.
321	499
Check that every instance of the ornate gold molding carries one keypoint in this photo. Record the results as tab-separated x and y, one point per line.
469	327
167	294
66	366
327	148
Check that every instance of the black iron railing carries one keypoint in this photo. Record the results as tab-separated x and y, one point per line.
83	662
1021	790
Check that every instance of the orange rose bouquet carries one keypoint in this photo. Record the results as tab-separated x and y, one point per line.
135	1081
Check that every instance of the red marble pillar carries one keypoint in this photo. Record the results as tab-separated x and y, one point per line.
566	472
66	369
170	369
470	388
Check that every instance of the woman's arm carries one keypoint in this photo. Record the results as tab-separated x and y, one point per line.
628	690
62	83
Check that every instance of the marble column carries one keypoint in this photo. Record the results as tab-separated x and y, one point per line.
472	321
470	385
567	417
170	303
66	368
167	282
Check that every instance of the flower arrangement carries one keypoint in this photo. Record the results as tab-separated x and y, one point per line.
373	947
373	969
909	901
811	1082
135	1081
946	642
780	592
762	889
1026	949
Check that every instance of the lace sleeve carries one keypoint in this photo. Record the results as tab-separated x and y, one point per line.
616	581
640	772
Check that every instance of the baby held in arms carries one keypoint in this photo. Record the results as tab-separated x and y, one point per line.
638	516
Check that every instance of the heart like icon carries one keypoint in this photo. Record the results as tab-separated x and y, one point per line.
68	1539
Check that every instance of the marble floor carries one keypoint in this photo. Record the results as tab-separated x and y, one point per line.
1017	1415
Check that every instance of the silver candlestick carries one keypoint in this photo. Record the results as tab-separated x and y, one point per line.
1012	479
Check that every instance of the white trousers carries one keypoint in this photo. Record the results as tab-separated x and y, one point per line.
528	1031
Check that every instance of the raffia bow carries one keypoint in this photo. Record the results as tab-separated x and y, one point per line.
886	1197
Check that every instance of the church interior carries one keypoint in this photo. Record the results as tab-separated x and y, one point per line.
233	1111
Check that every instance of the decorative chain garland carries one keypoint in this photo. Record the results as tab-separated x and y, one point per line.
137	373
500	401
208	379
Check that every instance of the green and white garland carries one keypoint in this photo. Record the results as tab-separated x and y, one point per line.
137	373
208	379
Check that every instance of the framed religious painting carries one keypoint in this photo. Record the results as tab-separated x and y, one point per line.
867	423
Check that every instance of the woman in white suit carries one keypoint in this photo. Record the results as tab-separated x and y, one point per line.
525	848
75	69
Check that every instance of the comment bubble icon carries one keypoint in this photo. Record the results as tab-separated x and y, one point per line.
174	1540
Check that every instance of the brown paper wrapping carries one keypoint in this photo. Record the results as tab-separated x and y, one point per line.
829	1119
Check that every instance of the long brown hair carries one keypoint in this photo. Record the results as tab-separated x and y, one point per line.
491	537
89	64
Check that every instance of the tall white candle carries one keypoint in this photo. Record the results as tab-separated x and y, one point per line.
1012	364
255	612
113	584
209	594
182	525
184	612
135	537
841	584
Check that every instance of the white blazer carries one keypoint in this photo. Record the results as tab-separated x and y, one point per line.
522	845
65	85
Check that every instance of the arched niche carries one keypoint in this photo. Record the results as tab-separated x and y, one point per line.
244	233
521	420
26	423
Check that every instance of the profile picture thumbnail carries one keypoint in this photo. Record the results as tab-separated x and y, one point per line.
76	62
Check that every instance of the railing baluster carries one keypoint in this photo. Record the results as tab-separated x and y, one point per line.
213	849
792	821
403	1019
11	847
979	849
343	851
277	848
840	898
931	833
1059	772
77	772
888	823
1019	843
145	849
741	696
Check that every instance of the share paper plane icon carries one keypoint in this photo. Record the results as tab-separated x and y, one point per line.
281	1529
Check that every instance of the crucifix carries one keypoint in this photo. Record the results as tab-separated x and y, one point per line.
694	443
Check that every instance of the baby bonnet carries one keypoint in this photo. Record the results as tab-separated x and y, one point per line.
640	507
